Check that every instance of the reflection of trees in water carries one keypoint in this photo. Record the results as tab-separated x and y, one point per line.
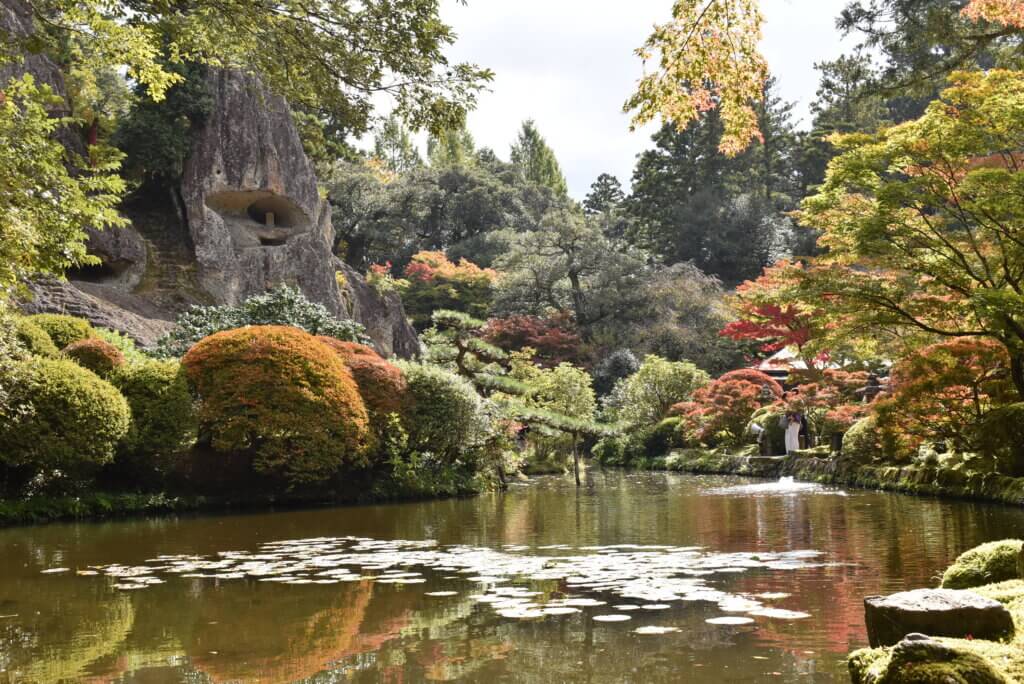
78	629
45	646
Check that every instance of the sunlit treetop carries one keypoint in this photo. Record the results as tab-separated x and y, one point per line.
707	57
1006	12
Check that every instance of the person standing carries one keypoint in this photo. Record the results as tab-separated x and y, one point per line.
793	426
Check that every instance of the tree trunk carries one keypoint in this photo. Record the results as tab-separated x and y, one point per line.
575	460
1017	372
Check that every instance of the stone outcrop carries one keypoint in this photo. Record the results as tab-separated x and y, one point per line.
253	208
248	216
52	296
383	316
935	612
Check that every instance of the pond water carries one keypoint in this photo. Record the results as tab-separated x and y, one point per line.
644	577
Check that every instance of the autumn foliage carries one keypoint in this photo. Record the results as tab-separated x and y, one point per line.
434	282
278	393
555	338
97	355
380	382
943	392
719	412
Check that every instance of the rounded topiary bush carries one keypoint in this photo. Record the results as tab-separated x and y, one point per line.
34	339
442	411
381	383
98	356
769	418
861	442
73	419
164	421
63	330
282	396
986	564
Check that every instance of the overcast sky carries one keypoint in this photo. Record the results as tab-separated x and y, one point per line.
569	65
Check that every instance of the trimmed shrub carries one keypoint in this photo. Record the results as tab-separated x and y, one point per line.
862	443
620	364
34	339
986	564
63	330
98	356
124	344
381	383
73	419
164	419
769	418
279	394
442	412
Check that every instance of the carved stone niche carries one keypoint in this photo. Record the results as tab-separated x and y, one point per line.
258	219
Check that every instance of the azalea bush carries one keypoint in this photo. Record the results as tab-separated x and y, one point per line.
69	423
63	330
283	397
95	354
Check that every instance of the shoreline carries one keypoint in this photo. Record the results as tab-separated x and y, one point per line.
911	479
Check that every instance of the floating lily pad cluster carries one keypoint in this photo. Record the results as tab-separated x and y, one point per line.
637	579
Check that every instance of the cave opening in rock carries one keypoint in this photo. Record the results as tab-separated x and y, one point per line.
259	218
103	272
272	241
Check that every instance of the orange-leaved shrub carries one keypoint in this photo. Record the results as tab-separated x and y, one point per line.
380	382
719	412
281	395
97	355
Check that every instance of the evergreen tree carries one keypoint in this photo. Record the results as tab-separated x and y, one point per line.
393	145
605	194
453	147
536	160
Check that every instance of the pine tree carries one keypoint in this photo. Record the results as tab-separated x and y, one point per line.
450	148
536	160
605	195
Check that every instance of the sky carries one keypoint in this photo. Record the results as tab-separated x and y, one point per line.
569	65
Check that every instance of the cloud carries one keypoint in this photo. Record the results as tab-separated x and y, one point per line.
569	65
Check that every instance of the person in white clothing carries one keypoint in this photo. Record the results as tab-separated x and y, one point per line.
793	426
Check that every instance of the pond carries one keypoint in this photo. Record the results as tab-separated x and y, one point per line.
644	577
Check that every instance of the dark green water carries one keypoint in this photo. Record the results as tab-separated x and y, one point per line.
64	627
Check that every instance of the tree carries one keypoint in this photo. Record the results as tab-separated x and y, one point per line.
46	203
393	145
568	264
708	59
605	195
924	224
536	160
451	147
326	59
645	397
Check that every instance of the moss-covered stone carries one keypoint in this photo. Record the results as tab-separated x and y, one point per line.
985	564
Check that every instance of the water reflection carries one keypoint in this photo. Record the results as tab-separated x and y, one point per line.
60	628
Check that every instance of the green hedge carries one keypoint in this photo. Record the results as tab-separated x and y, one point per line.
63	330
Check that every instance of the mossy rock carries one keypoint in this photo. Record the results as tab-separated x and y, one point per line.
921	660
992	562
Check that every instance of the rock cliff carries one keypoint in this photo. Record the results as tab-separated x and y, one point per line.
247	216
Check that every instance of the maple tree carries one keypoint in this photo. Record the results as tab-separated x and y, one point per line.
923	222
771	311
555	338
709	58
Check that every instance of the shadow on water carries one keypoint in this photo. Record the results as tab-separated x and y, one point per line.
64	627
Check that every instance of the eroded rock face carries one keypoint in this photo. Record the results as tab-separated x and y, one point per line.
935	612
383	316
253	208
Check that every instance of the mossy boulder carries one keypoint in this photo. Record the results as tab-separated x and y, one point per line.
918	659
992	562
